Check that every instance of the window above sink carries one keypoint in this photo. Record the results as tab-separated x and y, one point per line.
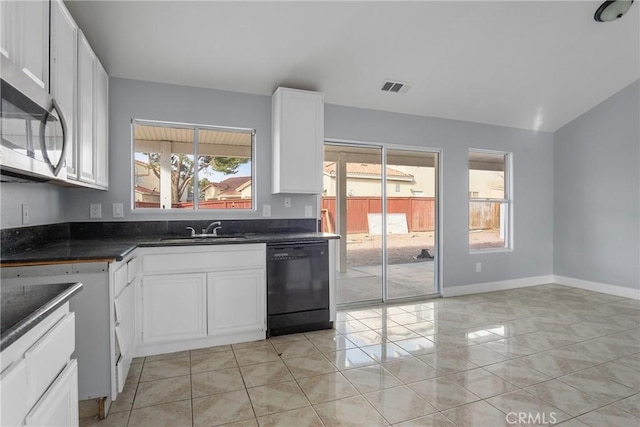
187	166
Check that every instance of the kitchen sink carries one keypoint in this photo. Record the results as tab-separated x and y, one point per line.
199	238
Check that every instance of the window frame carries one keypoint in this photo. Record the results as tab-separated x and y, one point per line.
195	127
507	200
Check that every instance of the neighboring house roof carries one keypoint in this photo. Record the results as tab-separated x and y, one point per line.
231	186
145	190
365	170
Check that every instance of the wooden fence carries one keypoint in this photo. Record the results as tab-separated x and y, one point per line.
419	211
484	215
207	204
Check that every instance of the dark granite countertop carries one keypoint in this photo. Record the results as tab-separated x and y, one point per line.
23	307
87	250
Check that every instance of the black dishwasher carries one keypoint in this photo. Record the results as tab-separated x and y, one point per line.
297	287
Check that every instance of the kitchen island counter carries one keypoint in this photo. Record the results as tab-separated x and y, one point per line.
23	307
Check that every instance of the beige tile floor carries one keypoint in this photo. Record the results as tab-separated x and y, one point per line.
553	353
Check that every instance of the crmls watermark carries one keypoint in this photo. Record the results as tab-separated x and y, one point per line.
531	418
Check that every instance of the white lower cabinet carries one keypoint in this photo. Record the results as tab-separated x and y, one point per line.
174	307
59	405
199	296
235	301
39	380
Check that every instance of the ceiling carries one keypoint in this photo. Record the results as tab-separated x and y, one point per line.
526	64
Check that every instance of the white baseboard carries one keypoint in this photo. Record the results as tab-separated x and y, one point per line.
478	288
619	291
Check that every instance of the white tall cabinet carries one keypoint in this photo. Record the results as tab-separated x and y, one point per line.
297	138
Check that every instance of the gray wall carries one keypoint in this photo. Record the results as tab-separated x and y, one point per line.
597	193
532	159
46	204
133	99
532	180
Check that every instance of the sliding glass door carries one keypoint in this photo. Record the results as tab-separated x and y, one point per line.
383	203
351	207
411	222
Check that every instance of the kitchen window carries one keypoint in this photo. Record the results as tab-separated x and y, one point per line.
188	166
490	204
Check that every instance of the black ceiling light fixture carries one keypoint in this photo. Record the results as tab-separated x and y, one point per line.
611	10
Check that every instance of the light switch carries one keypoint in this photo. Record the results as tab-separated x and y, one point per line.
118	210
308	211
95	210
266	211
25	214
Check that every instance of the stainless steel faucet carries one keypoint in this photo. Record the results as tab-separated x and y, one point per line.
213	228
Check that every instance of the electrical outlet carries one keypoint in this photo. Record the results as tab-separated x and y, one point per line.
308	211
118	210
25	214
478	267
95	210
266	211
287	202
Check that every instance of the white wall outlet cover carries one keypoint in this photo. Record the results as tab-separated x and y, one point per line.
25	214
95	210
266	211
287	202
478	267
118	210
308	211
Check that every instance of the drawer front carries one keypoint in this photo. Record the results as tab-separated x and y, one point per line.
59	405
124	304
227	257
132	270
48	356
122	371
13	390
120	280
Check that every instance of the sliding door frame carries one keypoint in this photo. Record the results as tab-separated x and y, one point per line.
438	239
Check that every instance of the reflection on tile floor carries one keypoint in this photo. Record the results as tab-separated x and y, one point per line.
403	281
547	354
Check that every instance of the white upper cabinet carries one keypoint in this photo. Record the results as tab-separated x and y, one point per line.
64	75
101	123
92	142
86	142
25	37
298	136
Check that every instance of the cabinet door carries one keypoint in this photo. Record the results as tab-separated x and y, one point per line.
25	37
101	125
63	75
9	29
174	307
298	137
236	301
13	394
85	125
34	41
59	405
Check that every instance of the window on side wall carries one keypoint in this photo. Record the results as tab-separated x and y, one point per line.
490	204
184	166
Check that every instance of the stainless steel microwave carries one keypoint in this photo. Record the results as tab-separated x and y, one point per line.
33	131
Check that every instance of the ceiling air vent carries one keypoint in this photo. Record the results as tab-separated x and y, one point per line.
395	86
